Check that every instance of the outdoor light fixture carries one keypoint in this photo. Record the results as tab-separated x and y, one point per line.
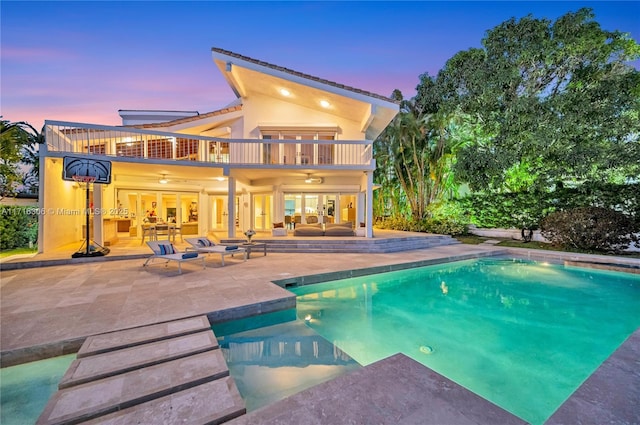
220	179
285	92
324	104
163	180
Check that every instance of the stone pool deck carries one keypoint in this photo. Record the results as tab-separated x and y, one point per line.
49	311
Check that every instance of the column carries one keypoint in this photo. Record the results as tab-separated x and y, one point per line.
369	205
231	204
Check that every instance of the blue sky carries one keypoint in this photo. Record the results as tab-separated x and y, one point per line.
82	61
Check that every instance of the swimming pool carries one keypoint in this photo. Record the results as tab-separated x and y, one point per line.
274	355
26	388
521	334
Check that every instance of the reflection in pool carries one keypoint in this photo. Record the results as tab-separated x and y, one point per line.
272	362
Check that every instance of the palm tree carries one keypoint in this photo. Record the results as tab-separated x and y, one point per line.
419	149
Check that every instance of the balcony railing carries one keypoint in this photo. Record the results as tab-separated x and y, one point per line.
89	139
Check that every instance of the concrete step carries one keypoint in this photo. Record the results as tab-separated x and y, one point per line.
166	373
214	402
142	335
104	396
91	368
353	245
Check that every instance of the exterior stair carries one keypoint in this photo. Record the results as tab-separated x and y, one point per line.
165	373
350	245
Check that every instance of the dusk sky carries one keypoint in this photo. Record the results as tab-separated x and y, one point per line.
82	61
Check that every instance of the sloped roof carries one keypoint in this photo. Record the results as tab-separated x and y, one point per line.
190	119
303	75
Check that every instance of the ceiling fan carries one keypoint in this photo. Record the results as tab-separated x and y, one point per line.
312	179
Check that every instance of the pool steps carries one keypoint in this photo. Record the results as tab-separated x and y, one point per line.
174	371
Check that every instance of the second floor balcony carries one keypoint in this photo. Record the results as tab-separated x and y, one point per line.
89	139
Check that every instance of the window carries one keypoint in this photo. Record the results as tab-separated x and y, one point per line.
306	151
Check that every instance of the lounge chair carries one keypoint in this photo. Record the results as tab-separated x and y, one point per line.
205	246
164	250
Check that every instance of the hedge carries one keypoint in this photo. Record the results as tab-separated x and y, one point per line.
18	226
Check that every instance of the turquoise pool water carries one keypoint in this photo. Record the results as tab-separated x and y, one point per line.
25	389
273	356
522	334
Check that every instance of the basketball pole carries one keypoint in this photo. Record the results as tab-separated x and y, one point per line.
86	212
90	249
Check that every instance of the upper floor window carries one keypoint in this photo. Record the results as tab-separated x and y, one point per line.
298	147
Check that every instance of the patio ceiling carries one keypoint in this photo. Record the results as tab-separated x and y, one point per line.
188	177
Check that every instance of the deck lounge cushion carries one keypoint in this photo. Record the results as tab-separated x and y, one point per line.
308	230
339	229
205	242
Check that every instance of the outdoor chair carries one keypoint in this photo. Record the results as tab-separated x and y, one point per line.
149	231
164	250
205	246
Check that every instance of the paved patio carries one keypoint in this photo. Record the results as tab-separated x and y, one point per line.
48	311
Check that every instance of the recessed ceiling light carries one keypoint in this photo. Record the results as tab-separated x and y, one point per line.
324	104
285	92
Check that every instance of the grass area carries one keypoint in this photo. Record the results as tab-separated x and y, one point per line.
475	240
471	239
16	251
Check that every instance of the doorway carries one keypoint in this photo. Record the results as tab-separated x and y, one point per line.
262	211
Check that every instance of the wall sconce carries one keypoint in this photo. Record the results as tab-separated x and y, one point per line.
163	180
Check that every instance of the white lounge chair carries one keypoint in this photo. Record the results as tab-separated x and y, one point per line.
205	246
164	250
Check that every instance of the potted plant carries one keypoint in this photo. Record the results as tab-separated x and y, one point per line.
249	234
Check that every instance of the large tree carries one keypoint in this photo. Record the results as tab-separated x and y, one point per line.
556	101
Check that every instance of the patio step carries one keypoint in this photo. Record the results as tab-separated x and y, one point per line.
171	377
350	245
91	368
110	341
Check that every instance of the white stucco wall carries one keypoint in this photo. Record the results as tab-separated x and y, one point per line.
61	209
265	110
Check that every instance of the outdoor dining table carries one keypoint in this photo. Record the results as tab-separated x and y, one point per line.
159	229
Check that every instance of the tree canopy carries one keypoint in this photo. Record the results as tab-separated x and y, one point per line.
556	101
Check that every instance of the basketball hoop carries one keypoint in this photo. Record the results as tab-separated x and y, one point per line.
89	248
84	179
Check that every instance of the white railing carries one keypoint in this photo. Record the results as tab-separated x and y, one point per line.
90	139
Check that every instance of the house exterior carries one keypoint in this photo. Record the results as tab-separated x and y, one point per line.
290	147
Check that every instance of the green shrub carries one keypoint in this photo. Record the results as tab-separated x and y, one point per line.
442	226
446	226
18	226
590	228
527	209
506	210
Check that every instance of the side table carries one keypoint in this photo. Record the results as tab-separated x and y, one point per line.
254	245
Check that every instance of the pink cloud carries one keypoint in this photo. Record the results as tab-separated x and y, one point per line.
33	54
